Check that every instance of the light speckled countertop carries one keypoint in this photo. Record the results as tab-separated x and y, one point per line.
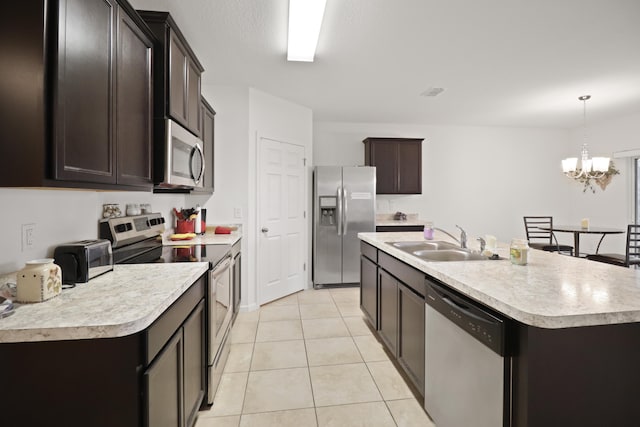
209	238
551	291
119	303
394	222
387	220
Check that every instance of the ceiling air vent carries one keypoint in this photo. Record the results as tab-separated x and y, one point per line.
432	91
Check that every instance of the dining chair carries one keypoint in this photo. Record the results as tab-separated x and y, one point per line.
543	239
632	252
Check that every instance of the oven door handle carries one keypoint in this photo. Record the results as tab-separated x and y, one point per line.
221	268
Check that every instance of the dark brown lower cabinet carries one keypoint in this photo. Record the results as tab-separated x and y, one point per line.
388	320
163	385
369	290
392	299
584	376
153	378
194	359
175	381
411	334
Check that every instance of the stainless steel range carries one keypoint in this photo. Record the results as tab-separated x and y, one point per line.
137	240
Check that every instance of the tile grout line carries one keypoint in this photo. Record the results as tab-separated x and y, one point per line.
369	370
313	396
246	385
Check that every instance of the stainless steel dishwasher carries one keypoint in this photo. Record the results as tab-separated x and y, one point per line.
465	367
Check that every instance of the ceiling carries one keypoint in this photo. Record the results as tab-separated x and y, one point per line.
501	62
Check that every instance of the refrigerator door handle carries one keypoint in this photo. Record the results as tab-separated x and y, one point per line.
339	213
345	211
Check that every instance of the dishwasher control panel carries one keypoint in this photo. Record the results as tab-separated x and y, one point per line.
468	315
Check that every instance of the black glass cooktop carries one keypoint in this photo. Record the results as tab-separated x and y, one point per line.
152	251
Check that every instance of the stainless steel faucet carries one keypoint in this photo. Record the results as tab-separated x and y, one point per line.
483	244
462	241
463	237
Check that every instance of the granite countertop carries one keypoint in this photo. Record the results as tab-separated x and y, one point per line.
387	220
209	238
551	291
119	303
408	221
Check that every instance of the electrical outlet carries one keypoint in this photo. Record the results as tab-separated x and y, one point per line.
237	212
28	236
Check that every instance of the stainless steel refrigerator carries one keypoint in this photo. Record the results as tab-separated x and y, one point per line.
344	204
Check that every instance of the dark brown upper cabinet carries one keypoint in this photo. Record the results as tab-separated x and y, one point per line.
208	137
77	95
134	107
177	73
398	163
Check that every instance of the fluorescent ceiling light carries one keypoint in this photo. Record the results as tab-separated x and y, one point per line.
305	20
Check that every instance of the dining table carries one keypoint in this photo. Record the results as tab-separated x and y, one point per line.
577	230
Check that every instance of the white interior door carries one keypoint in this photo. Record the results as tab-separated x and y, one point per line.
281	219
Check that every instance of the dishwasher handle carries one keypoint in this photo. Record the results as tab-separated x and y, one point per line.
468	315
465	311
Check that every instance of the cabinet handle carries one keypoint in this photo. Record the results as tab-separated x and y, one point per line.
265	230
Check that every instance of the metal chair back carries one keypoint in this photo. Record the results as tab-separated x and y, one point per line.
534	234
632	255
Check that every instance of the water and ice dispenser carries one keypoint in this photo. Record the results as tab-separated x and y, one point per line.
328	210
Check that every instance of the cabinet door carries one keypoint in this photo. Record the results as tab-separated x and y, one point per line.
411	335
384	156
193	99
388	320
163	383
208	127
194	363
178	80
84	148
409	167
134	104
369	290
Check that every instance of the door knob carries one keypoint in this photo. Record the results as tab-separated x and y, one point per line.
265	230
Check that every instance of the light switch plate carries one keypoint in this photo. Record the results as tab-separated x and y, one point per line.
28	236
237	212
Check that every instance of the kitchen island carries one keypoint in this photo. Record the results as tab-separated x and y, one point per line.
123	349
573	337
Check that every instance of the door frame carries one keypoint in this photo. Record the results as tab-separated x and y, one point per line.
257	225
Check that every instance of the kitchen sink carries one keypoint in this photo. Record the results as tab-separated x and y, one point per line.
437	251
433	245
448	255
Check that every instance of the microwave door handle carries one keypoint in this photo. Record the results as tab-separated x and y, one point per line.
198	177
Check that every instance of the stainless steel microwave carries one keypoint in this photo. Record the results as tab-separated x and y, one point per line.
184	161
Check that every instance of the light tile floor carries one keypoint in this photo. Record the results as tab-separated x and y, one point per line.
309	359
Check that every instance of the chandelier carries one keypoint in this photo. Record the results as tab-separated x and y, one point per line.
595	167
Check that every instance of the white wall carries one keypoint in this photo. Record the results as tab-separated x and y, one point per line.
61	216
278	119
486	179
242	114
482	178
231	168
